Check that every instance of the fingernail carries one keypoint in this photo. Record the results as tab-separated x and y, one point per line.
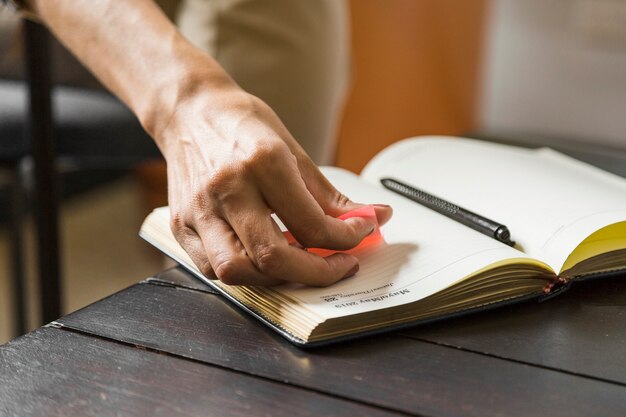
351	272
382	205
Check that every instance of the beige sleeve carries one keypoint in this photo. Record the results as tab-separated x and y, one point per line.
292	54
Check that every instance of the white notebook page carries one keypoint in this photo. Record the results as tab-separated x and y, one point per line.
424	253
550	202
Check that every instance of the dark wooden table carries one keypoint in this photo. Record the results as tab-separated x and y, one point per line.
170	346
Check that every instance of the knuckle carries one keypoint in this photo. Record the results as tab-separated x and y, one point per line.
220	188
218	185
229	271
229	183
177	222
206	269
312	237
341	200
269	259
267	155
199	199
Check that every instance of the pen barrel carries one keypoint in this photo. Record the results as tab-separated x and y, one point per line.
468	218
478	222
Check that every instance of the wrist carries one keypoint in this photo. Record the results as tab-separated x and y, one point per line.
191	77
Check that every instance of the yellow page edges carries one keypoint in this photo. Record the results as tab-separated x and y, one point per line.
607	239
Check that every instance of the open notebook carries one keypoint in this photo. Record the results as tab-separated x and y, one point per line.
568	219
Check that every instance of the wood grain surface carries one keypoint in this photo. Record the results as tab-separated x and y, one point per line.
582	331
395	372
53	372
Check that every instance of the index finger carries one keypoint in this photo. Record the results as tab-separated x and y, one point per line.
304	217
271	253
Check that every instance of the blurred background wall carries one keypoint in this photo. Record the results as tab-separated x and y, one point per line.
532	70
540	72
556	69
416	71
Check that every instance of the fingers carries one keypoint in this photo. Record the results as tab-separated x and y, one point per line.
305	219
297	265
272	262
191	243
221	255
329	198
274	258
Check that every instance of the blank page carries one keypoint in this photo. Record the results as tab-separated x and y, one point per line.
550	202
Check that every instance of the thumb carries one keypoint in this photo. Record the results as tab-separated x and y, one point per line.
342	204
332	201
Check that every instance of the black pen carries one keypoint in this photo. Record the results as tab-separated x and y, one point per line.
477	222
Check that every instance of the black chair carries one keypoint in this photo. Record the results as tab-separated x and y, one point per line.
44	130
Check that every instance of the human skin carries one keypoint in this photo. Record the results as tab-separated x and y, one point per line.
231	162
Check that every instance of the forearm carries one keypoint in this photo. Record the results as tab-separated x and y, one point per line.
136	52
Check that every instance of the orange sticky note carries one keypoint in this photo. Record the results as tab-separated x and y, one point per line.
374	238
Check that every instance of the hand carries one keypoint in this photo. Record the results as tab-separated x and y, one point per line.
231	164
